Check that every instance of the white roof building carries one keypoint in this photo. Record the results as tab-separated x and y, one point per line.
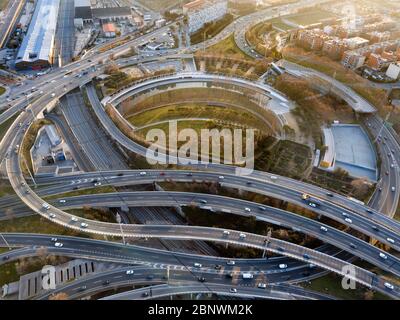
37	47
394	71
200	12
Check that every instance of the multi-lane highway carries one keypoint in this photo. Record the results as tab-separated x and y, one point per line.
268	188
275	292
57	83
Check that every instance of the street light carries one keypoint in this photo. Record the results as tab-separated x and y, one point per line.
266	242
119	220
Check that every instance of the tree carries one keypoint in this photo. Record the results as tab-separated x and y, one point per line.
361	187
112	68
368	295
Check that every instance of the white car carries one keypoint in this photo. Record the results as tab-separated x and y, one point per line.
62	201
242	236
393	189
221	177
230	263
54	239
197	265
324	229
130	272
282	266
390	240
382	255
46	206
348	220
58	244
233	290
84	225
52	215
74	219
344	214
143	173
97	184
247	209
388	285
262	285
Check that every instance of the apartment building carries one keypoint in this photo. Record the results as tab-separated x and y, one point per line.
200	12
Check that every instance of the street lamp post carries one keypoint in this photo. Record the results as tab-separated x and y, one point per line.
266	242
119	220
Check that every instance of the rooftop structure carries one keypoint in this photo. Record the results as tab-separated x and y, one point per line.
53	135
200	12
109	30
83	10
36	50
111	14
350	149
356	42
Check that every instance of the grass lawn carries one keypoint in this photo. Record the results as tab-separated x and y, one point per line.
8	273
3	4
197	126
278	23
5	125
310	16
230	114
332	282
2	90
228	48
211	29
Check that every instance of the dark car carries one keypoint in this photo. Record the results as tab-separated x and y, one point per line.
375	228
120	174
306	256
6	258
329	194
150	277
106	282
83	288
201	279
218	267
145	294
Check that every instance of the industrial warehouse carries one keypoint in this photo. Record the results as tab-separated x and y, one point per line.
36	51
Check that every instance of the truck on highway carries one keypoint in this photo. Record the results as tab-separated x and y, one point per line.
310	201
356	200
247	276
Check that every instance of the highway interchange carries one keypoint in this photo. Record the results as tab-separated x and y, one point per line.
284	188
